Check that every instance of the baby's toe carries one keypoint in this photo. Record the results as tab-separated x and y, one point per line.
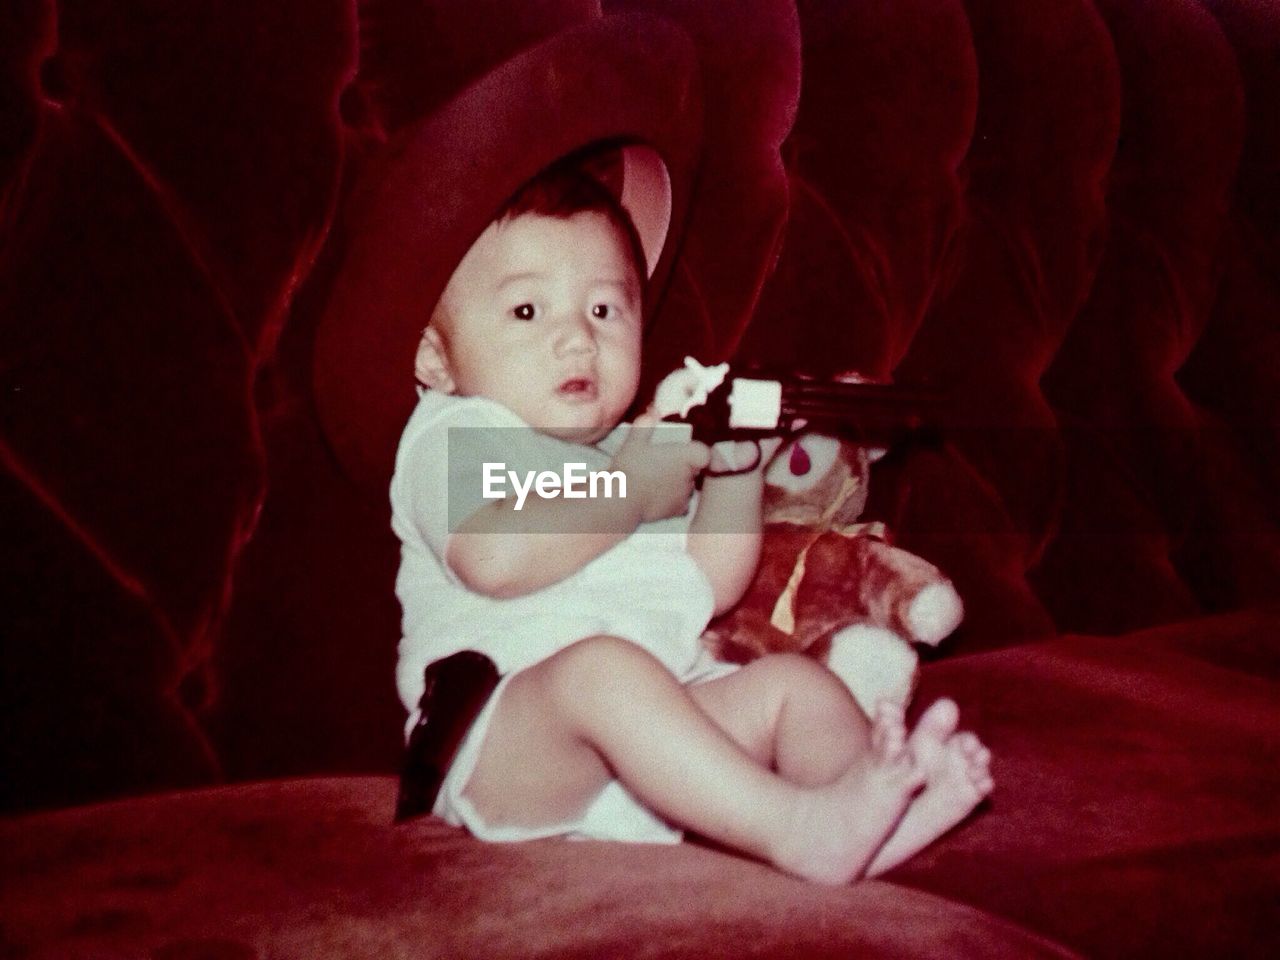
939	719
889	741
935	728
972	750
888	714
979	771
979	757
888	717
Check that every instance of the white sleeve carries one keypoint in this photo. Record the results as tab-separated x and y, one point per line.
441	469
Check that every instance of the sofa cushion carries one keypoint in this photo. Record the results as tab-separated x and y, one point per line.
1134	814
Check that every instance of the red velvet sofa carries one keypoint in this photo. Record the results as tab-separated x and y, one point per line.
1064	213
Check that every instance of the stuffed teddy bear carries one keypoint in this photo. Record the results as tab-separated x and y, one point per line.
832	587
826	584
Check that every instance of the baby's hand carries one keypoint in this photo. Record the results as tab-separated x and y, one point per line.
743	455
660	476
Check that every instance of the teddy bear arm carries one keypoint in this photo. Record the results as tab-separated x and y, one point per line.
905	592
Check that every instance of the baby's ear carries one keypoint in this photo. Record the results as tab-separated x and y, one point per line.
431	366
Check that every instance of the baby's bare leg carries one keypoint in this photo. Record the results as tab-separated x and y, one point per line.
792	715
604	707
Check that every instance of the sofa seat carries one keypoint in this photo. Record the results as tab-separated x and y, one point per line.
1133	773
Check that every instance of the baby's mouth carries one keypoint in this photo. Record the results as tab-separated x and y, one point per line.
578	388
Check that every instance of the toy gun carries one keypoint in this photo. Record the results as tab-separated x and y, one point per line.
720	405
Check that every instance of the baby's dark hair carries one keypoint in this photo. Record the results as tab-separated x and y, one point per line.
565	189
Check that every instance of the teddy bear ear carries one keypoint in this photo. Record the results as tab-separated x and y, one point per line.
803	463
851	376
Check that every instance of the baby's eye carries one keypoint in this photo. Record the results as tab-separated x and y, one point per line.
603	311
526	311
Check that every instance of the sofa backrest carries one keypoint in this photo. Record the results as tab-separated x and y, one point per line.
1053	213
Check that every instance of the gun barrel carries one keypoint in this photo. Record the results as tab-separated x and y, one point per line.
868	411
761	404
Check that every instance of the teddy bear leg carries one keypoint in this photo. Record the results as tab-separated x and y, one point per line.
875	664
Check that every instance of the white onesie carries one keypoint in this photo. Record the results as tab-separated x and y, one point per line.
646	589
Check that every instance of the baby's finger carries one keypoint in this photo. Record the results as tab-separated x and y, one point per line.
726	451
769	447
699	455
642	428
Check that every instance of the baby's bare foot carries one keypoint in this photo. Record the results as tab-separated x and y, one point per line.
840	827
933	729
957	774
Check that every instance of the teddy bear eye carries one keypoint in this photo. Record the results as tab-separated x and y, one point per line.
799	462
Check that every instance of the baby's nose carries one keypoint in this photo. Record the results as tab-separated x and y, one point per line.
575	333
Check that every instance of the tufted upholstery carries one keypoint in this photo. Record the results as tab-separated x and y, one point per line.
1064	213
1067	227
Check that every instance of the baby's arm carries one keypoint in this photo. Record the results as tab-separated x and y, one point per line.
724	536
502	552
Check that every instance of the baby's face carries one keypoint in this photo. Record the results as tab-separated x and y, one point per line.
543	315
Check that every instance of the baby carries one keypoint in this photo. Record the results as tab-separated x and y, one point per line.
610	721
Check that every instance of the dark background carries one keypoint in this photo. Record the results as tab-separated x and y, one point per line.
1063	213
